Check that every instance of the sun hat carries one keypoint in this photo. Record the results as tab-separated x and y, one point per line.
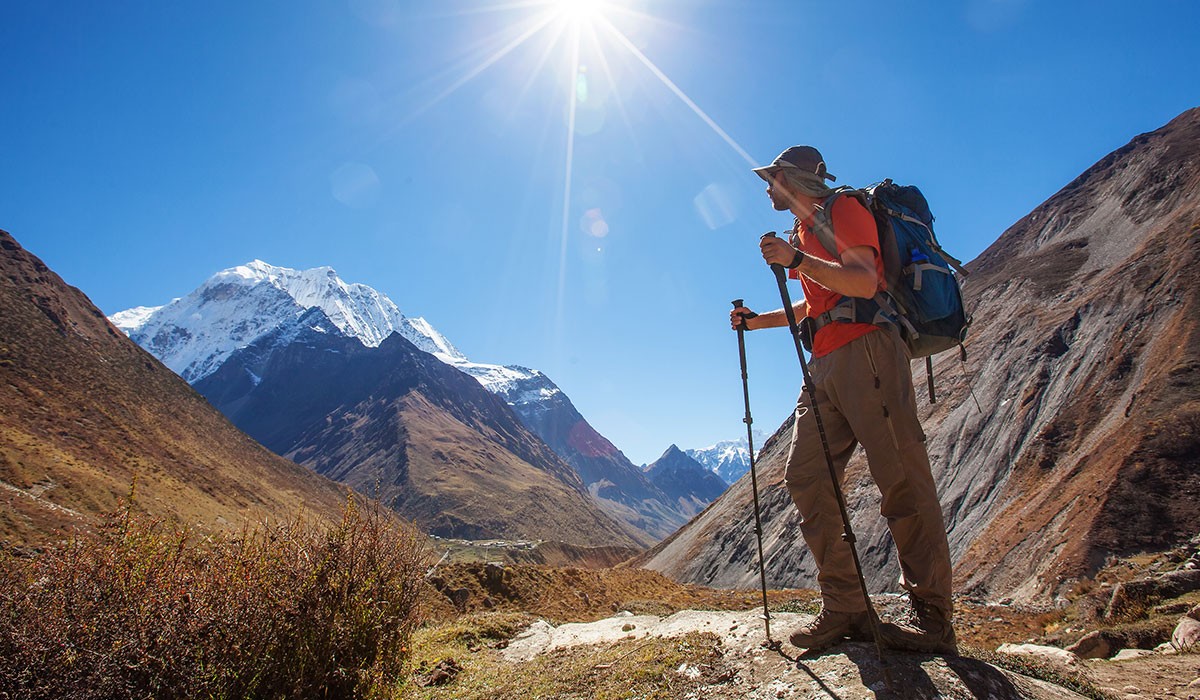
805	164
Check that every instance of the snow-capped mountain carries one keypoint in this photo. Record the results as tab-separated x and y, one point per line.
257	309
195	334
728	459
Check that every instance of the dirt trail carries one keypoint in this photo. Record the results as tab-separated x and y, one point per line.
850	671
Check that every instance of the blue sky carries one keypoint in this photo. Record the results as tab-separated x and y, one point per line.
422	148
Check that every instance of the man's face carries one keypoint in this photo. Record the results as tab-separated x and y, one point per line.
778	192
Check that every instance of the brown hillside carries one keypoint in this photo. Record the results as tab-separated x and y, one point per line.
1083	357
426	439
1103	400
84	411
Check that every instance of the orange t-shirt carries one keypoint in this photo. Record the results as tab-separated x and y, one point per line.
853	226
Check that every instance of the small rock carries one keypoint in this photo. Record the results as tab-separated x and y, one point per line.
1172	609
1164	648
1127	654
628	627
1187	634
1194	684
460	597
445	671
1132	690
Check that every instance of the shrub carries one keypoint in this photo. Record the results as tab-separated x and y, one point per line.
142	609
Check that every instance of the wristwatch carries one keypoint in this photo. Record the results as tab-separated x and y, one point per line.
796	259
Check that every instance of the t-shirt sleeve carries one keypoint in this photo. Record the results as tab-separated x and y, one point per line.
853	226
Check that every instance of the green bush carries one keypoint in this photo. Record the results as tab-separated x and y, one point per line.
140	609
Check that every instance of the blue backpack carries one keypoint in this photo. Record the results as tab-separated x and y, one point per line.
923	297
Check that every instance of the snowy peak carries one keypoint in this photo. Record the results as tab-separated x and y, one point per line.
134	318
728	459
358	310
195	334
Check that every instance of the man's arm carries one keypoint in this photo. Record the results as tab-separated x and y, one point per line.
854	276
769	319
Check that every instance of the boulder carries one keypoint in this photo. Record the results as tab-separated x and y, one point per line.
1187	634
1052	656
1133	599
1100	644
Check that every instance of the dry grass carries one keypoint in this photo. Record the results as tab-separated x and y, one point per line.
460	660
143	609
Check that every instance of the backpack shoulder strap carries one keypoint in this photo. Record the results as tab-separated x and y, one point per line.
823	218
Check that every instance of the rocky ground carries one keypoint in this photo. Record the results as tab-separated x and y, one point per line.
506	630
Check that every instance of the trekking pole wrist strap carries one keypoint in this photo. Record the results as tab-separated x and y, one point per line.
796	259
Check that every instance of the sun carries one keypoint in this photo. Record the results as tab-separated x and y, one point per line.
578	11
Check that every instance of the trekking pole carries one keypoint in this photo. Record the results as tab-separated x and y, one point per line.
749	421
848	533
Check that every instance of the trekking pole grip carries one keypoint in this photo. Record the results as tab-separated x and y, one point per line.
743	326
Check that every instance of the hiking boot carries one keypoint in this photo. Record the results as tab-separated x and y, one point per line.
830	627
929	630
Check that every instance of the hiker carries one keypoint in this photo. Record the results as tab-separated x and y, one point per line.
864	393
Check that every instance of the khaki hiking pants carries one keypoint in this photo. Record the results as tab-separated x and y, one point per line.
854	384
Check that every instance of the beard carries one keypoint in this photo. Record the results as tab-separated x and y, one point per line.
778	200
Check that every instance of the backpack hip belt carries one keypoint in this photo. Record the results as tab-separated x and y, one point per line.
878	311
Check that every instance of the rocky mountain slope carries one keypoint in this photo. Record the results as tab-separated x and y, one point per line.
1083	357
398	424
85	412
263	306
621	489
685	480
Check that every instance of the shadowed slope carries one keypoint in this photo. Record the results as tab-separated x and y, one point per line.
396	422
86	411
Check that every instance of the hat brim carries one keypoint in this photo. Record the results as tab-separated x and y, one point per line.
810	185
766	171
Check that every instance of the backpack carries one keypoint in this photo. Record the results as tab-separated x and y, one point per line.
923	297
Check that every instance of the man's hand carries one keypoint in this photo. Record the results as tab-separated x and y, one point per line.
739	318
776	251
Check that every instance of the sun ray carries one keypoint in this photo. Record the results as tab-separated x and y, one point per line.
567	179
536	26
602	59
541	62
676	90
